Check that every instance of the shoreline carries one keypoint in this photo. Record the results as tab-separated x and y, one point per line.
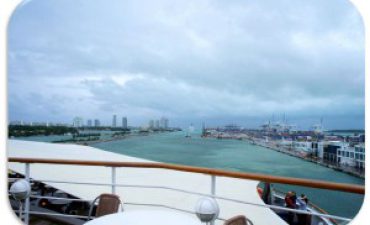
91	142
312	160
298	155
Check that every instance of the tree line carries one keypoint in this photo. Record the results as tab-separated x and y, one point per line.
25	131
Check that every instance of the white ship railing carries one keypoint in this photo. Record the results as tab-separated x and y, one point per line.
212	172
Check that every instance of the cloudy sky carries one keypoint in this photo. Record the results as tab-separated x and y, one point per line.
191	61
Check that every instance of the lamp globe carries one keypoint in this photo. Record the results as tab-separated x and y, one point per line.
20	190
207	209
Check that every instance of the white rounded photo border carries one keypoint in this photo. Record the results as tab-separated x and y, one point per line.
7	7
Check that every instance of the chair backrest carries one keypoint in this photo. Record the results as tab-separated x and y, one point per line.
238	220
108	204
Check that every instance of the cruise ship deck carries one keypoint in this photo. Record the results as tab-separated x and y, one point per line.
139	187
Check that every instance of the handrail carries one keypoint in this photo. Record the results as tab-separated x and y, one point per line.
358	189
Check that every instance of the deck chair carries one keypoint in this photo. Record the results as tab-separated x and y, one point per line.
108	204
238	220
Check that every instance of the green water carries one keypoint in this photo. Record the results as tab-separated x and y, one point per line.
240	156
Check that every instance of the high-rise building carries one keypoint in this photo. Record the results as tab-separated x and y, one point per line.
156	124
89	123
96	123
124	122
114	122
204	131
151	124
164	123
78	122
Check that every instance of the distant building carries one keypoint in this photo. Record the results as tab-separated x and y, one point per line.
342	153
355	139
77	122
360	156
96	123
156	124
151	124
124	122
164	123
346	155
89	123
318	149
330	152
204	130
114	122
232	128
278	127
362	138
305	146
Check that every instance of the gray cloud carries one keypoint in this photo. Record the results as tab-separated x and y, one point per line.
201	58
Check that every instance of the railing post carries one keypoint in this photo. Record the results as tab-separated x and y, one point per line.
213	185
27	205
213	190
113	180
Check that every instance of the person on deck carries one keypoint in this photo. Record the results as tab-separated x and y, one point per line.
304	198
303	219
290	202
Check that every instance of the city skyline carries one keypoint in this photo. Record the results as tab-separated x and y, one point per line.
217	62
163	122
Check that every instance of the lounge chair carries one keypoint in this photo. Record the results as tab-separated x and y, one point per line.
108	204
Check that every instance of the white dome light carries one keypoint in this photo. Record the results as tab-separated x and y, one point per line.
21	189
207	209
